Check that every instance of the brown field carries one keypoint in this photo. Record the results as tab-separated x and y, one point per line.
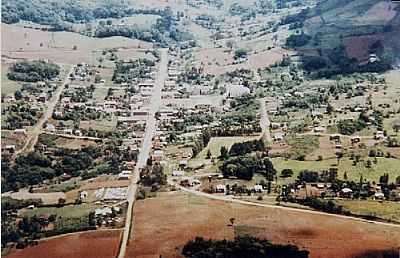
358	46
381	12
218	61
20	42
74	143
164	224
95	244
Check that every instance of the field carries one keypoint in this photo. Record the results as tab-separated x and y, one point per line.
94	244
47	198
20	42
384	165
69	211
8	86
218	61
385	210
181	217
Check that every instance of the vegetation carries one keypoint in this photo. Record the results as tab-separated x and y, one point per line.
244	167
245	246
33	71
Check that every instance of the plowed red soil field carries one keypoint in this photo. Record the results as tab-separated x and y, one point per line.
164	224
94	244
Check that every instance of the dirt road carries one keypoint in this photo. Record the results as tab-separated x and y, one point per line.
146	145
37	129
264	121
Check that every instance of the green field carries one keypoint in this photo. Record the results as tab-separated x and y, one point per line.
384	210
69	211
384	165
8	86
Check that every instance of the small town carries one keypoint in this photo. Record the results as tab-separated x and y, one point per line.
200	129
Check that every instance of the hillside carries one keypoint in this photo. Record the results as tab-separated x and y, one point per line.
352	29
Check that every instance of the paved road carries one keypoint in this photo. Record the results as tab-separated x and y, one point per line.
34	134
146	146
264	121
229	199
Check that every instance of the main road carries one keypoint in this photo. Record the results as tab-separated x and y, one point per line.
151	126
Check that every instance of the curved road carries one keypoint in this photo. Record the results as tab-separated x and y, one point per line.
228	199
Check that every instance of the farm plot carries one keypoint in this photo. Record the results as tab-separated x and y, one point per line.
182	217
94	244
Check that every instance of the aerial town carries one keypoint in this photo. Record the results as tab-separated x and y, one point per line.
200	128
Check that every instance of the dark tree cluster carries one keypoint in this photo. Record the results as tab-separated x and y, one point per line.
244	167
33	71
241	148
240	247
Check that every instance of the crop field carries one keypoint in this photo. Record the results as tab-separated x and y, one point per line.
93	244
181	217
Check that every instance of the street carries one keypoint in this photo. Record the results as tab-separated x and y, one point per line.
151	126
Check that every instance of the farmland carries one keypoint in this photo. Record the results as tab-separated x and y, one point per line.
99	244
181	217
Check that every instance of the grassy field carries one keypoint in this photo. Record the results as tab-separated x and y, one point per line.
8	86
384	165
385	210
69	211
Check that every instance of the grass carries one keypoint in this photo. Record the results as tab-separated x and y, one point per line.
384	165
384	210
300	146
8	86
69	211
216	143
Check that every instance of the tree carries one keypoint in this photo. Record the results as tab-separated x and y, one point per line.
240	53
224	153
18	95
75	47
287	172
208	154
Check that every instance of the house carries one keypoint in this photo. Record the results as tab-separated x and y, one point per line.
124	175
355	139
20	131
346	192
258	188
379	135
83	195
278	137
220	188
42	97
319	129
178	173
158	155
10	148
379	196
103	211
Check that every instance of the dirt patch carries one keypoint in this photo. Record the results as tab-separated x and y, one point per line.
96	244
180	217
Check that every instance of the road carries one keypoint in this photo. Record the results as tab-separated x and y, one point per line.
146	146
229	199
264	121
51	104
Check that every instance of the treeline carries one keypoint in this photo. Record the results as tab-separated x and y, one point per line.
58	12
161	32
241	246
33	71
33	168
